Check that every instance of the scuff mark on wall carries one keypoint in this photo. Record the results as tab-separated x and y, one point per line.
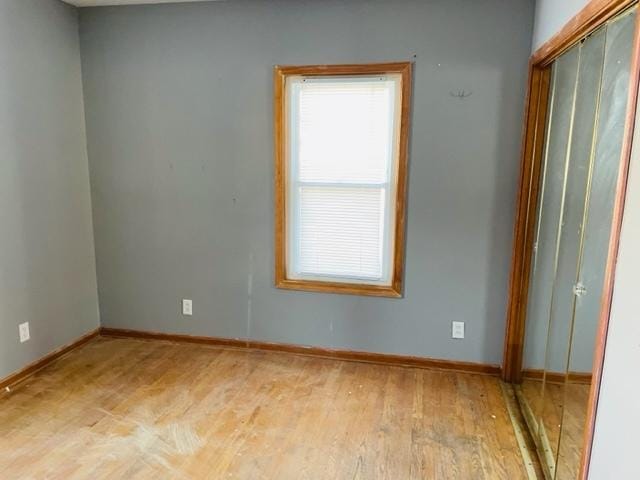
249	297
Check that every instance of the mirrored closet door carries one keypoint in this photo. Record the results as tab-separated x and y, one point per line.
583	144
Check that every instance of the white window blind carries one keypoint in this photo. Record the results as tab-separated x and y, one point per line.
341	178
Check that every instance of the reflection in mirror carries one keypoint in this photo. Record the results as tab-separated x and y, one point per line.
583	143
549	211
579	158
595	241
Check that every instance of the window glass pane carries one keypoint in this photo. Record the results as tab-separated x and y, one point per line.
341	231
345	130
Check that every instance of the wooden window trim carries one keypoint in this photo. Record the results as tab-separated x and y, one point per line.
280	130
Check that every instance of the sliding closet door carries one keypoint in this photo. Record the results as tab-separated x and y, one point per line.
581	161
594	241
579	155
563	88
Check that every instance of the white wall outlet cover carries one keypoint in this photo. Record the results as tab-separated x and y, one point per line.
187	306
23	330
457	329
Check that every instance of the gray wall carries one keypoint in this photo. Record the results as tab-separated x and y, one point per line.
47	264
179	121
551	15
618	422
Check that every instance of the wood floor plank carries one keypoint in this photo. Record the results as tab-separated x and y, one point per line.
136	409
563	412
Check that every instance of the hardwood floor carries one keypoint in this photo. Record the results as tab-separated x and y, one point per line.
572	437
134	409
563	411
548	407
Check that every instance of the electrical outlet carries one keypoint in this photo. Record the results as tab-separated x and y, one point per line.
23	329
187	306
457	330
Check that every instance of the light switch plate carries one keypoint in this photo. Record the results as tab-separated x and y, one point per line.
187	306
23	330
457	329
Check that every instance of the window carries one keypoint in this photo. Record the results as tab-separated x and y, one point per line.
341	155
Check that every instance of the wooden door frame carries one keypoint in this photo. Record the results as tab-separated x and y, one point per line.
591	17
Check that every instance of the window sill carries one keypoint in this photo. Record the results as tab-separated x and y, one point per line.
390	291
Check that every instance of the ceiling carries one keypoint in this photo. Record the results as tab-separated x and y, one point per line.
97	3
